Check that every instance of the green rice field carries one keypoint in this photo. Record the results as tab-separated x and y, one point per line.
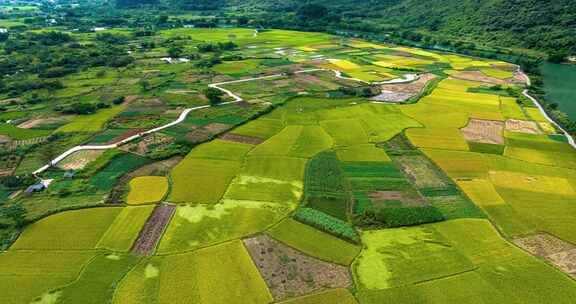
323	185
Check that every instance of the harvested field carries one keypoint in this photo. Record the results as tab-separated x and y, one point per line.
484	131
407	199
153	229
403	91
79	159
38	122
339	295
391	96
478	76
128	133
289	273
522	126
216	128
242	139
310	79
159	168
420	171
556	251
206	132
198	135
11	145
142	146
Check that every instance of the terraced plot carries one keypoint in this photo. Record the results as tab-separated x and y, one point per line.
147	189
473	263
304	192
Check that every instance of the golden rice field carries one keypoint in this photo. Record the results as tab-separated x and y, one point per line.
399	194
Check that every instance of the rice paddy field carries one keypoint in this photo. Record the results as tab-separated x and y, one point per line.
404	202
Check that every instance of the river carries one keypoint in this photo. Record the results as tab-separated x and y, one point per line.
560	86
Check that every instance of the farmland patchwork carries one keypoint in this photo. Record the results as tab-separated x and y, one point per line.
329	170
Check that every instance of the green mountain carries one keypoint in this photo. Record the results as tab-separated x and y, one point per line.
544	25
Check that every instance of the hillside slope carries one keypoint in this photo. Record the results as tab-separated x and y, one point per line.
545	25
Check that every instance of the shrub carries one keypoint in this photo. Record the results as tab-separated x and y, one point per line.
327	223
17	182
81	108
118	100
213	95
102	105
399	216
57	72
120	61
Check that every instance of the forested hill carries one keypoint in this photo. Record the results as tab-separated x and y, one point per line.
541	24
546	25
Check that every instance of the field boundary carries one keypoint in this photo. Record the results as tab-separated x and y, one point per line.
184	114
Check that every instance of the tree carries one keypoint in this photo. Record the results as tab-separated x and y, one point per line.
17	213
17	182
162	19
214	95
101	74
82	108
557	57
49	152
134	3
175	52
144	84
312	11
118	100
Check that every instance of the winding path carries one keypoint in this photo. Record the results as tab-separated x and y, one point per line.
236	98
184	114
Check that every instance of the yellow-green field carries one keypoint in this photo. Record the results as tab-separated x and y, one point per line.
92	123
147	189
303	160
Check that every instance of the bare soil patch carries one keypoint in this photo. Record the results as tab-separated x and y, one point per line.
159	168
128	133
11	145
522	126
150	102
289	273
8	164
4	139
403	91
484	131
242	139
198	135
478	77
9	101
38	122
305	80
153	229
216	128
201	134
180	92
558	252
130	98
79	159
407	199
142	146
